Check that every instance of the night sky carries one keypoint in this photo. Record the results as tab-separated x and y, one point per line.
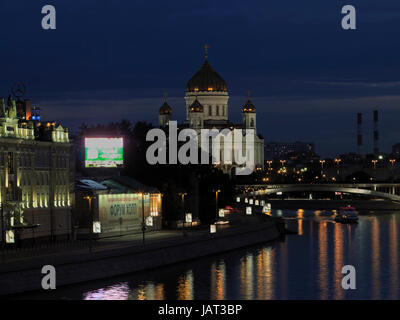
109	60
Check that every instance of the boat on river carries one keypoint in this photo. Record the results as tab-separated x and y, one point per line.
347	215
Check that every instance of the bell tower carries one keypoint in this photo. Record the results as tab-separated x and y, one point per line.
249	115
164	114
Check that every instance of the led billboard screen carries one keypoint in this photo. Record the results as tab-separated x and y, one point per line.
103	152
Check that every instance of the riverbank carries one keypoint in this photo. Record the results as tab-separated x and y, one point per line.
117	258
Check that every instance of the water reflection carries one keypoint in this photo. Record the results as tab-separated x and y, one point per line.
338	261
375	258
300	215
246	277
303	266
184	289
394	258
117	292
323	260
218	281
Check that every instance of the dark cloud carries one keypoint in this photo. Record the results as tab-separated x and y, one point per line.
113	59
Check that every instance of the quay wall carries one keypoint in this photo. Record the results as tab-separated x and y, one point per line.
25	275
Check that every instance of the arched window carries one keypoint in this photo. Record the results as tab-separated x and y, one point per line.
252	123
217	110
209	110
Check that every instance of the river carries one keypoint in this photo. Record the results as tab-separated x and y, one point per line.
307	265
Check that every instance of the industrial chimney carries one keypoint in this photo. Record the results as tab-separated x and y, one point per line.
376	133
359	132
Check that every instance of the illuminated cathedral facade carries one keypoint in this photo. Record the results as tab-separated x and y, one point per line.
207	107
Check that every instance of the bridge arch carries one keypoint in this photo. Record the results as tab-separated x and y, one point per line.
318	188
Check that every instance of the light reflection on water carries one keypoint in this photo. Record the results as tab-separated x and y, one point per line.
303	266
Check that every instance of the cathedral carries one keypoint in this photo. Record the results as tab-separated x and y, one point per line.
207	108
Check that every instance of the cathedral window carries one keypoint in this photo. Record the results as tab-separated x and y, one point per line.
252	123
209	110
217	110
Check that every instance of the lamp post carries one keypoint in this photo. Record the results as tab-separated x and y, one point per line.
322	167
374	162
183	213
90	198
216	204
392	161
143	221
337	161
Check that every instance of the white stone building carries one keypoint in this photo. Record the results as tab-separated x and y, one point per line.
207	108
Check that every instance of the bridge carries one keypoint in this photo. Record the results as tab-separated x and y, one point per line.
388	191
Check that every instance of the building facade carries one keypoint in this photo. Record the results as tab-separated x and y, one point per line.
207	107
115	206
35	175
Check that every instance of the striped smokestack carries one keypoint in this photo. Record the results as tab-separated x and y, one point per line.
376	133
359	133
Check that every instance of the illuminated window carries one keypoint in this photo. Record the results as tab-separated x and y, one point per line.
154	198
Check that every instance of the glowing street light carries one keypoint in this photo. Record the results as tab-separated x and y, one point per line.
90	198
143	221
392	161
216	203
183	213
337	161
374	162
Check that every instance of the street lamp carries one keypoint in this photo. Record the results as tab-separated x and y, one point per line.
392	161
374	162
322	162
183	213
337	161
90	198
143	221
216	203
